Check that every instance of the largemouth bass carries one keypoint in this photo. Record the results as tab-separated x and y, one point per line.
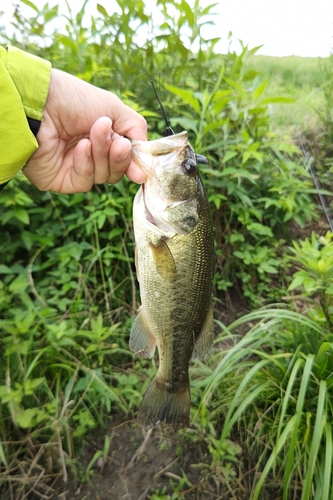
174	262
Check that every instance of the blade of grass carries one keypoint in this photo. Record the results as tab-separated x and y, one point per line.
315	443
272	458
294	435
3	456
287	394
230	419
328	462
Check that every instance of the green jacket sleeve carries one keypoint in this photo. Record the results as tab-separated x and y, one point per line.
24	85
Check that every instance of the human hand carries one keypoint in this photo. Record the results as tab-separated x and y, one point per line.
81	139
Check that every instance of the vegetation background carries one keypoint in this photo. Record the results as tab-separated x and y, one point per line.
261	418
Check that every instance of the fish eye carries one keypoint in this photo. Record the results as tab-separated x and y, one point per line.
189	166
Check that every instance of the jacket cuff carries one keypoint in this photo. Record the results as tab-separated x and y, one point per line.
24	86
32	85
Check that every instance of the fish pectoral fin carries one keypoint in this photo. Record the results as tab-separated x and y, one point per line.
164	261
205	339
142	342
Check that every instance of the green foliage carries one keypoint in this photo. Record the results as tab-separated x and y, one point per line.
275	384
315	258
67	282
255	182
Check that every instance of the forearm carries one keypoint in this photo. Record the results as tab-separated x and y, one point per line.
24	84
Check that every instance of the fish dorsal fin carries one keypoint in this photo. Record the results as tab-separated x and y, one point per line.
164	261
206	337
142	341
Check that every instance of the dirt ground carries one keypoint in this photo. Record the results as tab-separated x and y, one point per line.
141	464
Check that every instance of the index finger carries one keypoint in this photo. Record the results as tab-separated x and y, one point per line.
129	123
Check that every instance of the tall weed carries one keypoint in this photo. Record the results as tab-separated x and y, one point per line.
274	385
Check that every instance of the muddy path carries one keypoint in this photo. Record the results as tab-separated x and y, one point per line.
144	465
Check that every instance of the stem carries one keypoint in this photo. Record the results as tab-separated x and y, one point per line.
100	261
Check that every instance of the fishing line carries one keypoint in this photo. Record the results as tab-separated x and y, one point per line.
309	161
168	130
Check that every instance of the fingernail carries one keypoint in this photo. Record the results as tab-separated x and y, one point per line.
88	149
108	134
125	154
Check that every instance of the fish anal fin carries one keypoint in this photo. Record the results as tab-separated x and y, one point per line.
142	342
163	258
205	339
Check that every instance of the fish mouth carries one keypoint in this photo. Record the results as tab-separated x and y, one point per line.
144	153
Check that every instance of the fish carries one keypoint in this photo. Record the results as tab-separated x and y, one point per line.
174	263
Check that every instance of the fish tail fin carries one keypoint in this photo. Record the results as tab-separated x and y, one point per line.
160	405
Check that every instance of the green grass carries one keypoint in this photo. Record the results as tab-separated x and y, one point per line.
274	384
299	78
278	397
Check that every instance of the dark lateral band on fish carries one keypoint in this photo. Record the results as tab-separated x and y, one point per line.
174	261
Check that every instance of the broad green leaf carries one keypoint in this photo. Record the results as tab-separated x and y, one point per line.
74	250
329	290
23	348
19	284
259	90
267	268
3	390
255	49
213	126
219	105
309	284
7	216
189	13
207	9
32	384
185	123
110	211
185	95
257	228
101	220
229	155
21	214
221	94
296	282
276	100
30	4
235	237
102	10
5	269
235	85
30	417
